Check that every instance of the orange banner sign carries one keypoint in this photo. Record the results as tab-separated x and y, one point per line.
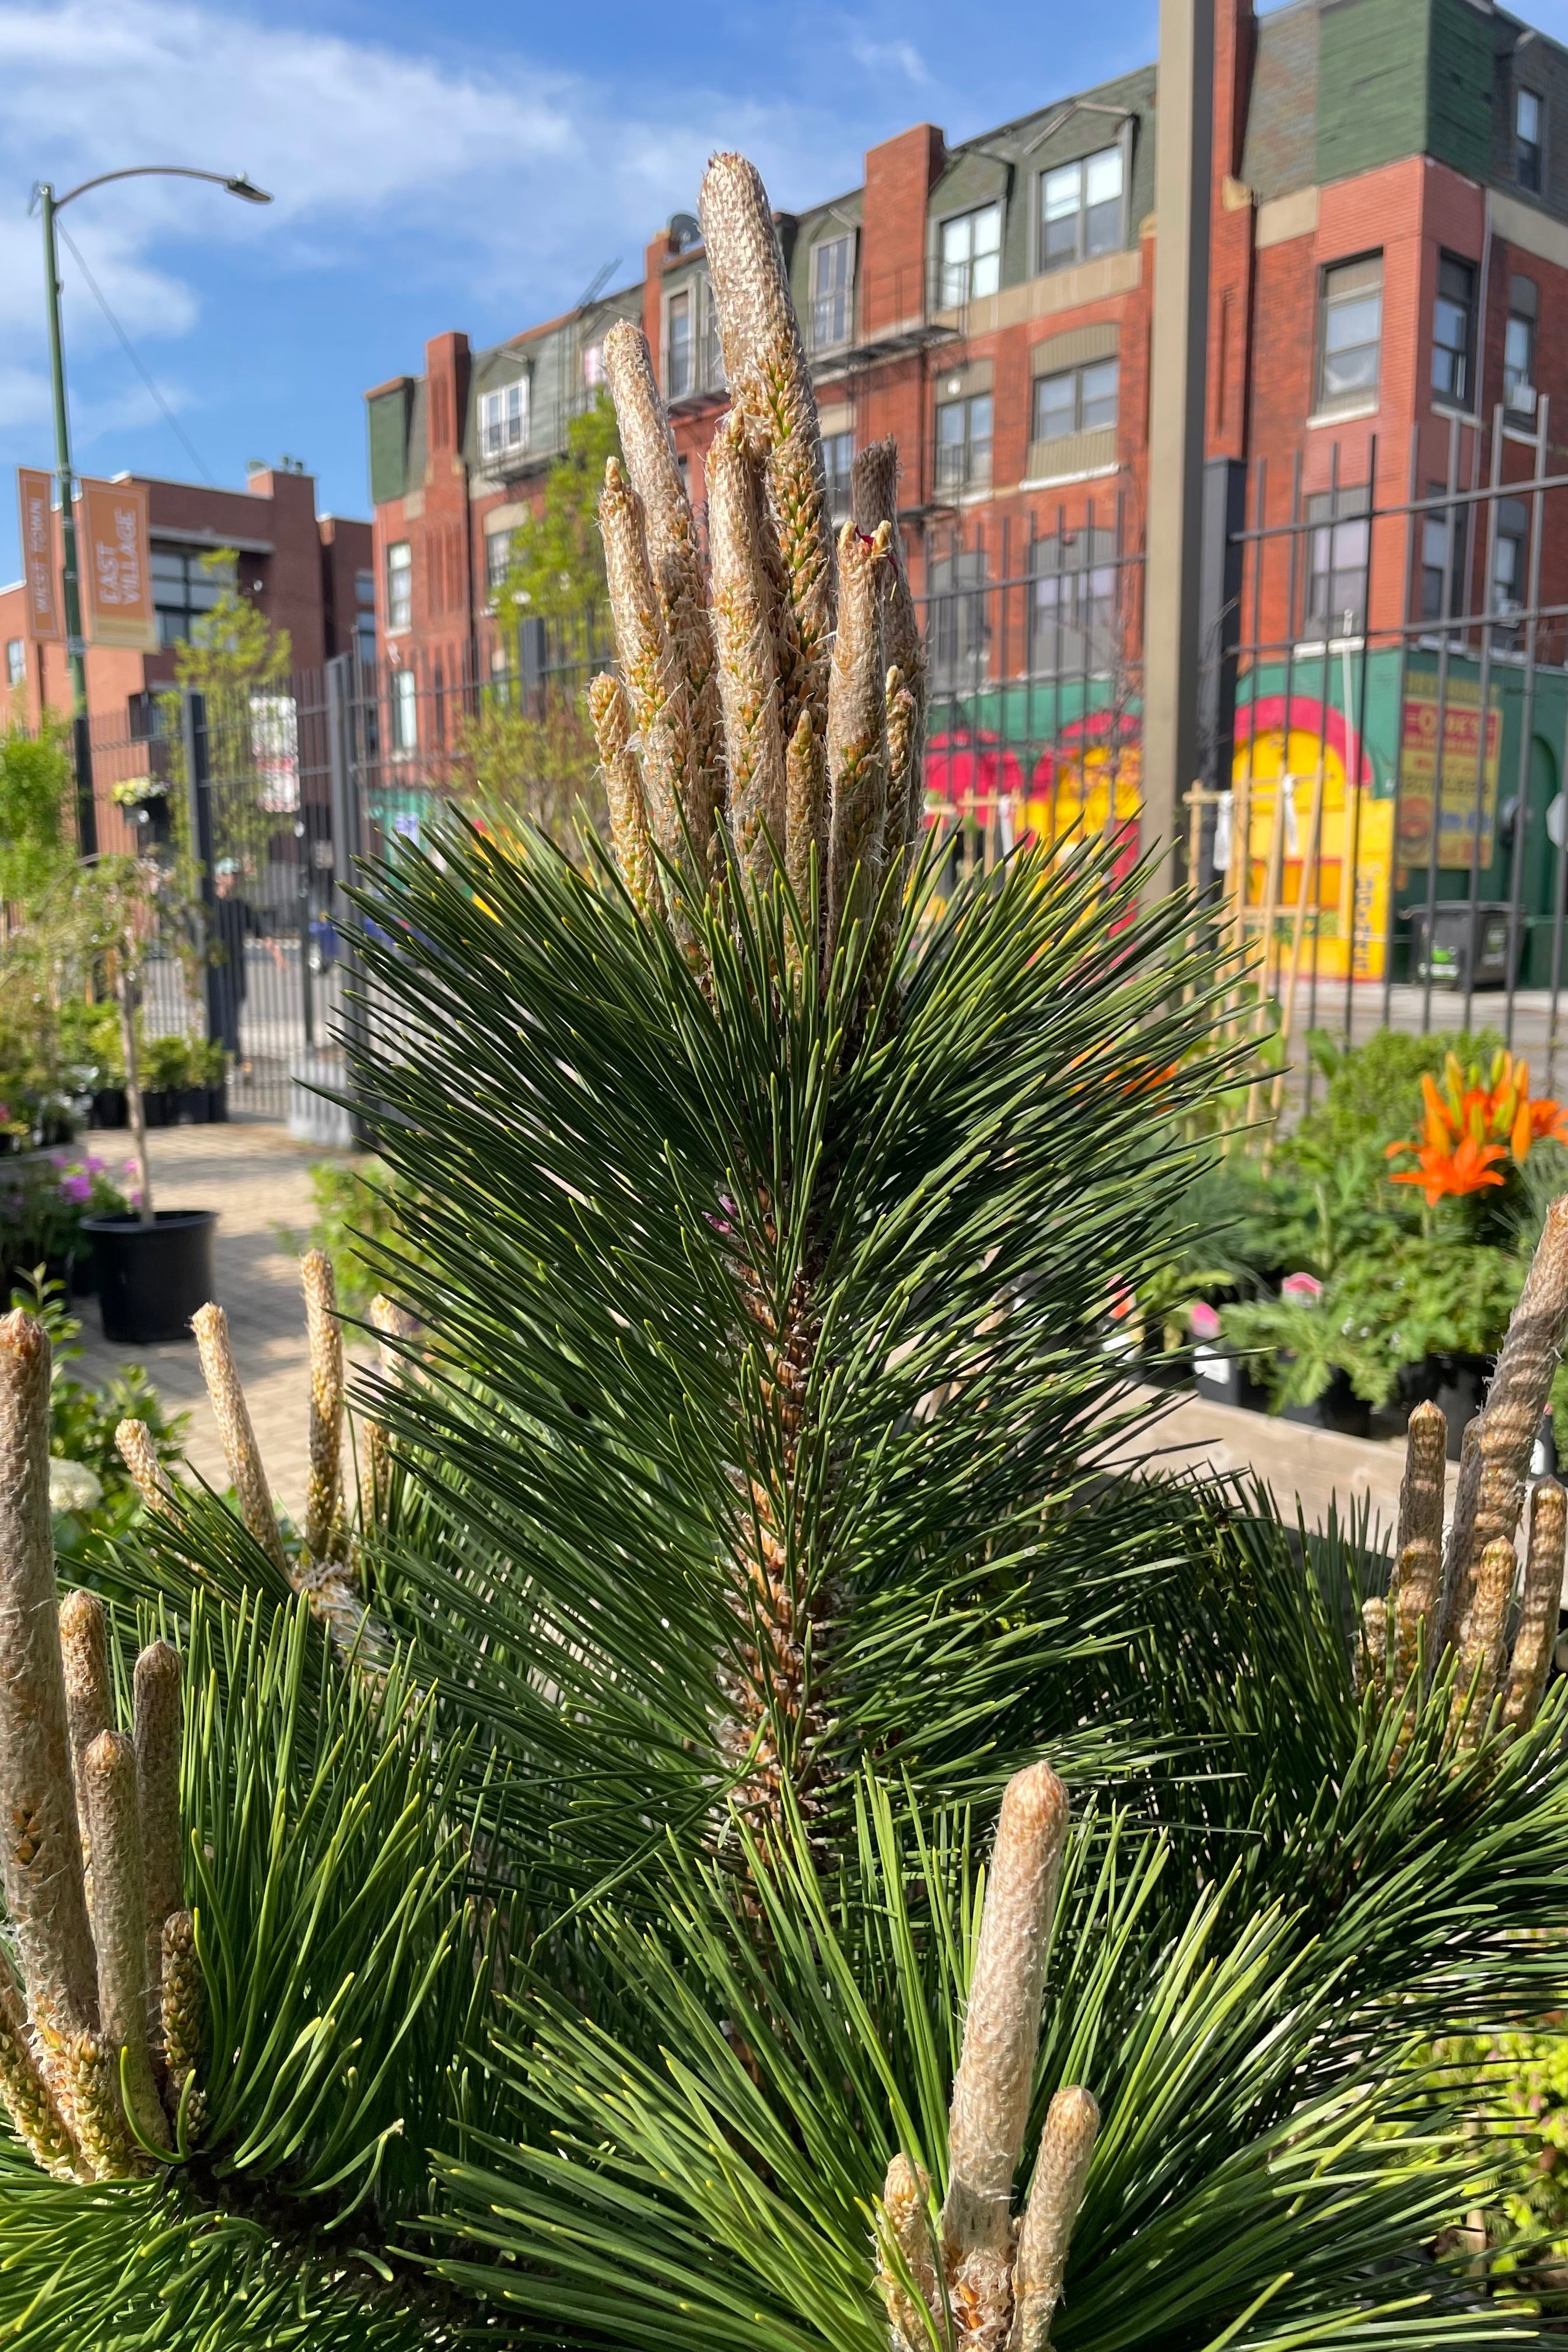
41	583
112	554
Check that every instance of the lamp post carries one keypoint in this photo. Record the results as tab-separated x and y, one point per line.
49	205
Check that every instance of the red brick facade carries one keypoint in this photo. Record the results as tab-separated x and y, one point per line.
1273	237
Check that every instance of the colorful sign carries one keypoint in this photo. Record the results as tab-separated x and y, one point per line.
1313	830
1468	789
111	555
40	582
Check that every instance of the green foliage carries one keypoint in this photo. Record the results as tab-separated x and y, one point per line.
35	843
537	760
556	572
1374	1091
239	662
705	2139
1382	1309
592	1149
82	1422
356	1216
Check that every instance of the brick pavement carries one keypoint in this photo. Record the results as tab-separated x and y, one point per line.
257	1179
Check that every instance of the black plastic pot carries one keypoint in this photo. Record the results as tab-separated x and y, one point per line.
1339	1409
218	1103
109	1107
192	1103
151	1278
1458	1385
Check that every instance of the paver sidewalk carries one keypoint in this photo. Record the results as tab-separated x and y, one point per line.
257	1178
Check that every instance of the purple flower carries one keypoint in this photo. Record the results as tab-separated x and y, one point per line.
76	1186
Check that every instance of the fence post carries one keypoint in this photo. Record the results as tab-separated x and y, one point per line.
1171	618
199	817
348	848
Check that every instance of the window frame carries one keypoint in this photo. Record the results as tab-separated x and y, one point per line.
838	508
1534	183
495	580
843	239
404	713
15	663
399	579
1514	376
1045	266
1359	400
1463	400
1348	511
201	584
1083	626
1076	373
509	404
971	213
972	478
681	304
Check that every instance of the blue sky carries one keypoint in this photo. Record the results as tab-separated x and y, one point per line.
433	168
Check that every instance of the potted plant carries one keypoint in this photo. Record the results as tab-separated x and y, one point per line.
1406	1301
155	1266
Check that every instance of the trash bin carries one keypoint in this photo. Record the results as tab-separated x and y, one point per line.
1469	944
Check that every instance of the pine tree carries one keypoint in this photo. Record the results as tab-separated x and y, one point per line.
740	1824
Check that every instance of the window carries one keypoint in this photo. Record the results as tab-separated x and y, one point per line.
186	584
1509	548
364	588
830	293
1337	549
712	375
1078	400
837	458
1442	552
15	661
1072	612
405	712
970	256
1529	124
1519	347
593	363
503	421
1350	334
1453	331
400	586
1080	209
680	370
963	443
498	558
958	636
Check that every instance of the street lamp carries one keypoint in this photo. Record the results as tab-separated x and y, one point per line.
46	200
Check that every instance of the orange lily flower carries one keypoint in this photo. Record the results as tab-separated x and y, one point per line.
1469	1127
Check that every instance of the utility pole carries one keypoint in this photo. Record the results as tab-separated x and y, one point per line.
1172	588
76	643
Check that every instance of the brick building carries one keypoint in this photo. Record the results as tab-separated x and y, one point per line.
308	573
1389	262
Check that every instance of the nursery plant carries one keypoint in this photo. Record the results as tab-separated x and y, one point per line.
725	1824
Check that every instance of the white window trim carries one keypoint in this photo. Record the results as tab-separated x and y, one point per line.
1460	416
935	264
1343	415
1123	140
1088	473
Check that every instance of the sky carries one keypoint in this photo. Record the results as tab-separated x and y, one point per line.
431	168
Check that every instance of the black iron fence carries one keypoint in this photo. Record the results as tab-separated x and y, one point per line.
1379	823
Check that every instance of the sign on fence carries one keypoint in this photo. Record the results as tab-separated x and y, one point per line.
41	599
1468	789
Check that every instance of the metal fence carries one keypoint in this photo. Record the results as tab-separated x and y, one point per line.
1379	826
1389	836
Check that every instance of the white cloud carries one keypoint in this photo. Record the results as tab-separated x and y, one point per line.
900	56
505	185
